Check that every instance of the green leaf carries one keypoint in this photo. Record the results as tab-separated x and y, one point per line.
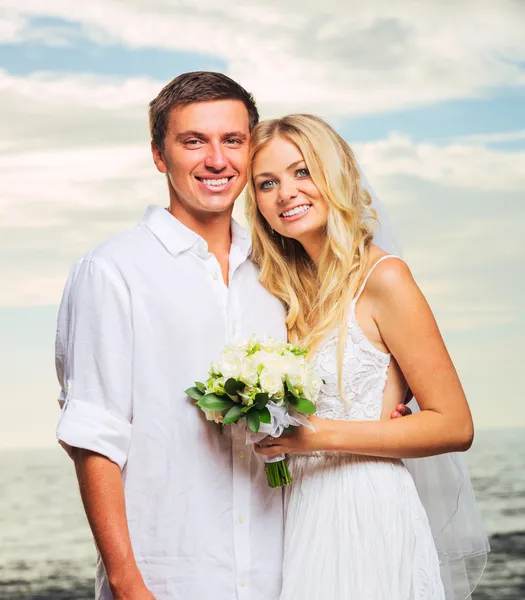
253	420
201	386
233	415
214	402
264	415
255	349
304	406
291	388
261	400
299	351
233	386
194	392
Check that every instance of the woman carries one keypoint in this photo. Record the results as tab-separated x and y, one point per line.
356	528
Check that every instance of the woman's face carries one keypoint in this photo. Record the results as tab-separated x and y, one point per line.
286	195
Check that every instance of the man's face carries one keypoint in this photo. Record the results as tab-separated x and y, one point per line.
205	155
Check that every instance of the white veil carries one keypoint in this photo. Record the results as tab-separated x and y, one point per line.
443	482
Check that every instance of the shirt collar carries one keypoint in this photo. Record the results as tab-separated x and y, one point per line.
178	238
241	238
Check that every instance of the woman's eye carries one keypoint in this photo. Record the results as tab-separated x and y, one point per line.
267	185
302	172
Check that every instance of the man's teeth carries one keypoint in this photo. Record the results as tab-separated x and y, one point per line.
215	182
295	211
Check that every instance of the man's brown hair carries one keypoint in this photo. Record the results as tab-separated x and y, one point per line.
199	86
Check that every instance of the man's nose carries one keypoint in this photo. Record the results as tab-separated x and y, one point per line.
216	159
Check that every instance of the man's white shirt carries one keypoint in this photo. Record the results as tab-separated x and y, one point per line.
142	317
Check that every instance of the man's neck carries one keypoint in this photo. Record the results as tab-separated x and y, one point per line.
215	230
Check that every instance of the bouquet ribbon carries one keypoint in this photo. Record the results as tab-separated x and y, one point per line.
281	419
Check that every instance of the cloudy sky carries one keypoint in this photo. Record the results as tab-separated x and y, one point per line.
429	94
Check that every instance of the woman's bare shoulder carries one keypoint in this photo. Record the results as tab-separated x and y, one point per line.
389	275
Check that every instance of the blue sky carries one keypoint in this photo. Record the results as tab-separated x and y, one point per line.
431	100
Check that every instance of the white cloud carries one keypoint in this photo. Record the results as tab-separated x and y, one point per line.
74	159
72	199
460	165
51	112
75	197
494	138
75	167
83	90
11	27
335	56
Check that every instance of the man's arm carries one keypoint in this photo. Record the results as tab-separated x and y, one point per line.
94	360
102	493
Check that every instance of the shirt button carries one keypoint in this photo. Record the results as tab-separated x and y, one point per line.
240	518
215	276
242	583
241	455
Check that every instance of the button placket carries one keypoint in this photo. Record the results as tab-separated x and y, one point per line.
241	510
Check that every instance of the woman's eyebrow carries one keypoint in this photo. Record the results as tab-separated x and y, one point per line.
294	164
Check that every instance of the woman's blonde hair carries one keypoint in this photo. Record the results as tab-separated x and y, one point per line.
317	296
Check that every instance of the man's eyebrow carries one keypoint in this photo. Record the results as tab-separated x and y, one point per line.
203	136
297	162
189	133
238	134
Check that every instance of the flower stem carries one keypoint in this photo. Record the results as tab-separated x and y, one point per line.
278	474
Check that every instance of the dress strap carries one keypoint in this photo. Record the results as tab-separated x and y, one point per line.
370	273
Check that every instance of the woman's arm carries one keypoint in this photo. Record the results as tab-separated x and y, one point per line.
409	330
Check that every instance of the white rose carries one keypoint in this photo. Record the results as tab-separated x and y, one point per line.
279	396
311	386
269	344
218	385
247	396
252	343
271	381
215	368
294	368
214	415
249	373
261	357
231	364
296	380
269	360
239	347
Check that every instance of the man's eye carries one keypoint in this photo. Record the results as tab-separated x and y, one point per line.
268	184
192	142
234	141
302	172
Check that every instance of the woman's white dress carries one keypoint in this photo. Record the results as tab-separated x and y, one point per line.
355	526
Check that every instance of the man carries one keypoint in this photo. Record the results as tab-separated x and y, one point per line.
177	510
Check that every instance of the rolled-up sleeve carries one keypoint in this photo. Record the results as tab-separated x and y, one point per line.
94	362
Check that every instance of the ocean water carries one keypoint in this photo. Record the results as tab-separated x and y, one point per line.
46	550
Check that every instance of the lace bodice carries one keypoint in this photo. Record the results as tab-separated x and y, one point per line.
365	370
364	376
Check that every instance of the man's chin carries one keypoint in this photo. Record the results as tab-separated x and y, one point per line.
205	205
217	206
218	203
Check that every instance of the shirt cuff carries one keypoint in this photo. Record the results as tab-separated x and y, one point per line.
92	427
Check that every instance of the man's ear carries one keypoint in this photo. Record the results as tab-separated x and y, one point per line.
158	158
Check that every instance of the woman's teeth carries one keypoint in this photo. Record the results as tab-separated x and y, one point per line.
216	182
295	211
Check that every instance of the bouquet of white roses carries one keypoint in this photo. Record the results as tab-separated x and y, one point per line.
266	382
